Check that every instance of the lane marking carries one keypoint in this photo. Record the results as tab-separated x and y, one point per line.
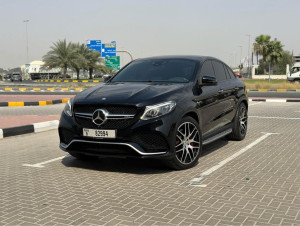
276	100
266	117
40	164
195	181
256	103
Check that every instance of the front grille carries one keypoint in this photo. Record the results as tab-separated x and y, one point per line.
110	123
129	110
151	141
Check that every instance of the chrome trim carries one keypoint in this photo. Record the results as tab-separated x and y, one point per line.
134	147
216	137
109	116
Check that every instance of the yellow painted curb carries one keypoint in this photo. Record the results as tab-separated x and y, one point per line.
248	90
8	89
262	90
50	89
42	103
75	80
58	80
65	100
66	80
95	81
78	89
281	90
85	80
15	104
22	89
51	80
64	89
36	89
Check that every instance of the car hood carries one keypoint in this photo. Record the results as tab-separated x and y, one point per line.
139	94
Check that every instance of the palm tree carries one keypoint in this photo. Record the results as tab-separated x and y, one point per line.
262	45
93	61
275	52
80	61
61	55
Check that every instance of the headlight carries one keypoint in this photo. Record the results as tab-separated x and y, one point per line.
68	108
157	110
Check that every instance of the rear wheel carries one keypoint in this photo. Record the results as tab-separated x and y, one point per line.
240	124
188	145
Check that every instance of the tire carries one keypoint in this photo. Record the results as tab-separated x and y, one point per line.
187	145
81	157
240	123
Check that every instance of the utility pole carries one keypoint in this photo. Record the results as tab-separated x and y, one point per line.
249	68
241	51
26	22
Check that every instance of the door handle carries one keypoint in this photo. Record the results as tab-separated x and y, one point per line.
220	91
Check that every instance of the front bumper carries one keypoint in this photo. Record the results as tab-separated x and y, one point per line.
144	139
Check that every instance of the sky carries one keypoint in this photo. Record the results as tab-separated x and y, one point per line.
217	28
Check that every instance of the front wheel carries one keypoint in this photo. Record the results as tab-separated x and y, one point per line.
188	145
240	123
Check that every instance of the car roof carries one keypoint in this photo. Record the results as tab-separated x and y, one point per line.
185	57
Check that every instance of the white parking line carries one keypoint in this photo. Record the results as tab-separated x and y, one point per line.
40	164
256	103
196	180
266	117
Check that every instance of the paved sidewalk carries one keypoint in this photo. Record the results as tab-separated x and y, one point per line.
13	121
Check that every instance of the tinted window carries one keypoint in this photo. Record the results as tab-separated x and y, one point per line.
219	71
157	70
207	69
227	73
232	75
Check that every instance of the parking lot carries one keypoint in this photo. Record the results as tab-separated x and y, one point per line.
255	181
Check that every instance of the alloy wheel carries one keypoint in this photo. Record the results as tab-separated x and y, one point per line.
187	143
243	120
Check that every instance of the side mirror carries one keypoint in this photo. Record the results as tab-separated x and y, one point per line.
208	81
106	78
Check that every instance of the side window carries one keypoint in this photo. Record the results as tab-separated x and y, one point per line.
227	73
232	75
207	69
219	71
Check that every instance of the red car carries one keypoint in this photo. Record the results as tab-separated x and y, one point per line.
238	74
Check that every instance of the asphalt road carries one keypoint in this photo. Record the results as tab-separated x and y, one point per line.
254	181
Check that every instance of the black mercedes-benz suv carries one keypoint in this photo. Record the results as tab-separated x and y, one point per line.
158	107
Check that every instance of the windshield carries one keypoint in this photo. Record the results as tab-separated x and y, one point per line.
157	70
295	70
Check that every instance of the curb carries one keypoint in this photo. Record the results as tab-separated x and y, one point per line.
33	103
273	90
62	80
32	128
275	100
41	90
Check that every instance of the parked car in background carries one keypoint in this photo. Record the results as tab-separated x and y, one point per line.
158	107
294	74
7	76
98	76
16	77
239	74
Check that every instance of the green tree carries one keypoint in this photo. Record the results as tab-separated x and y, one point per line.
79	62
93	61
280	67
275	53
61	55
262	44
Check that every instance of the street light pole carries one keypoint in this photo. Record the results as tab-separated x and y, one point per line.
124	51
249	69
241	48
26	22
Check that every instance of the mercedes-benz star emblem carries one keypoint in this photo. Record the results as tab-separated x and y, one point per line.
99	116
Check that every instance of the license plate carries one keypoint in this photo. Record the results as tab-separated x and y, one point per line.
99	133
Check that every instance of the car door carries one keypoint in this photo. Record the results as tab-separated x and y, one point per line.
207	101
226	93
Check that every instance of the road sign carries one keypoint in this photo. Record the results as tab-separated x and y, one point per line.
94	44
109	49
113	62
